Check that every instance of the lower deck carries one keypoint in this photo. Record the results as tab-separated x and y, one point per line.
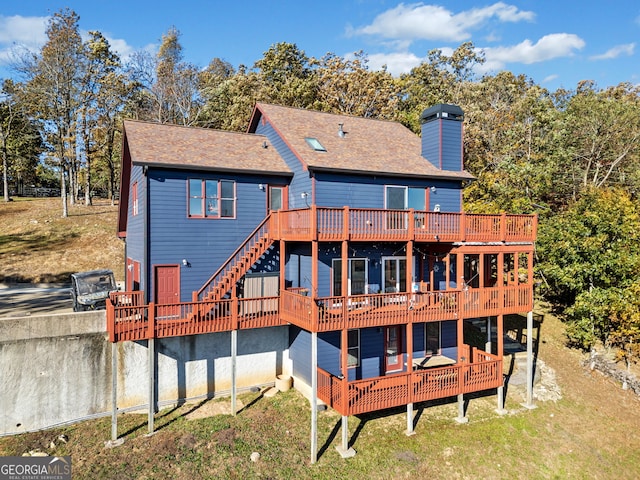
480	371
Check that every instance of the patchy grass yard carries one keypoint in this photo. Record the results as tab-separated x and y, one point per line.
38	245
592	432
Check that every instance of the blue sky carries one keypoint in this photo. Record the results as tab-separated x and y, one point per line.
557	44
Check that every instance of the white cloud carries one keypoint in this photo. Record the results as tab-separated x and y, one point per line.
418	21
30	33
550	78
615	52
397	62
20	32
27	31
551	46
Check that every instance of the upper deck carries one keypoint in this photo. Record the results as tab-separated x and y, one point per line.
358	224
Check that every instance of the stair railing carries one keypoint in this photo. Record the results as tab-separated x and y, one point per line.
260	232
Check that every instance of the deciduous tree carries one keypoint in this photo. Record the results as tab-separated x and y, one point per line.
348	86
53	76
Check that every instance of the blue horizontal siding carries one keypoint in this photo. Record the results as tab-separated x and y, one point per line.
204	243
339	190
298	273
301	182
333	190
300	353
449	336
448	155
135	224
372	355
448	195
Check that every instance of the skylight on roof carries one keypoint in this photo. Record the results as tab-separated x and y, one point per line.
315	144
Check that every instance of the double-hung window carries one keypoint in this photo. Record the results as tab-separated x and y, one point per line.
212	198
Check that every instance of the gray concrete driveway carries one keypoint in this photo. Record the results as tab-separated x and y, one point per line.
22	301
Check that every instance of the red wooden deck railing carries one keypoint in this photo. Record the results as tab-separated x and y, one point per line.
131	321
325	314
358	224
260	235
396	390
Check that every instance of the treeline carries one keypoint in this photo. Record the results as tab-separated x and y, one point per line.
572	156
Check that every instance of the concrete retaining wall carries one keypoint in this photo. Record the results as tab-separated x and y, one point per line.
57	369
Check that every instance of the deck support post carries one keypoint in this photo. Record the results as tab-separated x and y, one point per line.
529	402
500	410
314	397
500	352
151	351
234	352
461	417
410	431
344	450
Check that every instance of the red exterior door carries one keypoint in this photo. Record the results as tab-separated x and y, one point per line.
167	283
393	349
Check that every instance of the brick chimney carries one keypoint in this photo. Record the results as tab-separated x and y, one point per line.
442	136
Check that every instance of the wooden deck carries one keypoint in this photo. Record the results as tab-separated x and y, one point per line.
357	224
420	385
326	314
129	319
132	321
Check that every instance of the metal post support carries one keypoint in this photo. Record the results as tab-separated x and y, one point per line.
234	352
410	431
152	381
314	397
501	410
461	418
500	351
344	450
529	403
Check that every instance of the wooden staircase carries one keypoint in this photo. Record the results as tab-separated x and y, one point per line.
237	265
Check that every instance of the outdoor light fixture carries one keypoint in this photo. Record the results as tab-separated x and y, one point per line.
185	262
433	189
436	208
261	186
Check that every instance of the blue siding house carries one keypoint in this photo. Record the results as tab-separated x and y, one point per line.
348	232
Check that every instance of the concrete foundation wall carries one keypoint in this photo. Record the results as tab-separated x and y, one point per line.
57	369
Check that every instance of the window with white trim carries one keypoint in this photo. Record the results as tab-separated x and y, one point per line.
398	197
357	276
211	198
